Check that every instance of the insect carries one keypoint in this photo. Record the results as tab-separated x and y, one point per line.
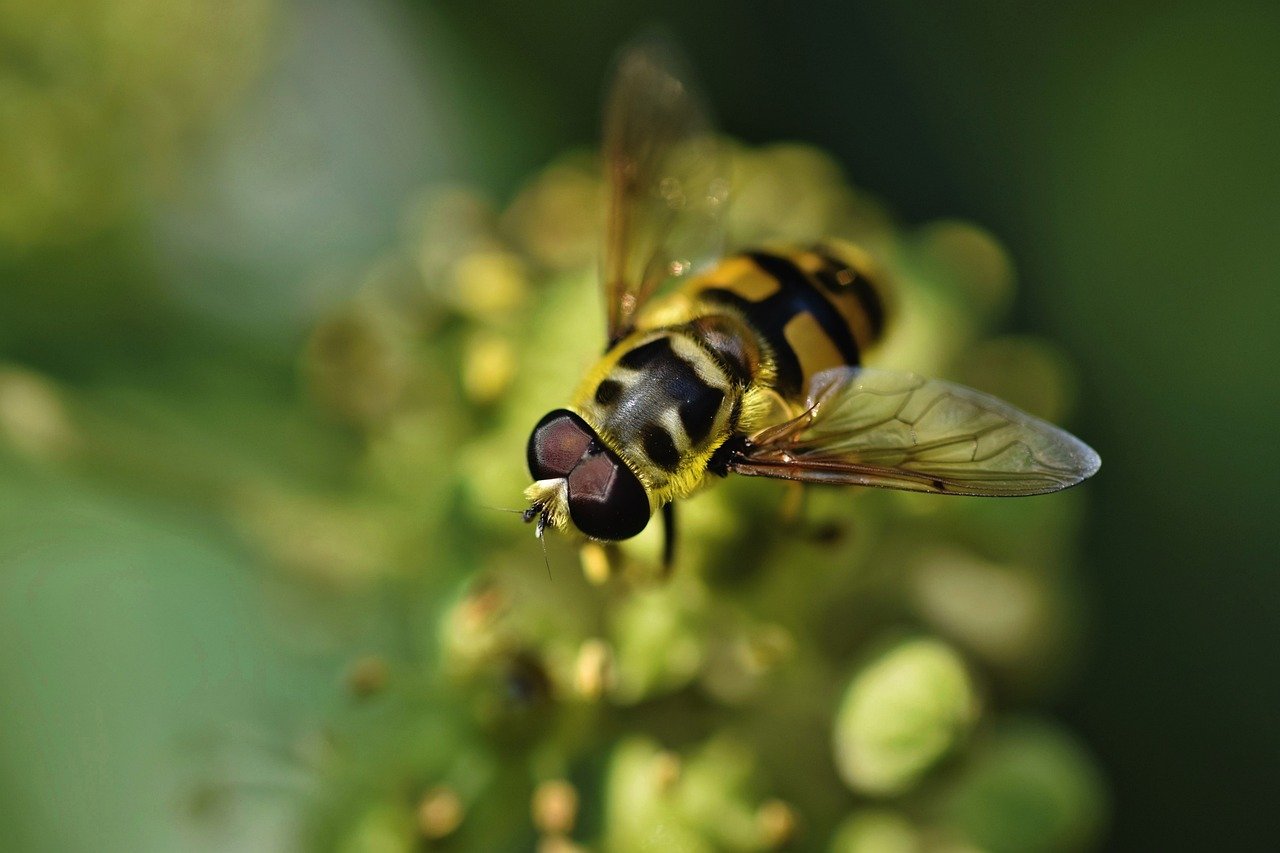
752	367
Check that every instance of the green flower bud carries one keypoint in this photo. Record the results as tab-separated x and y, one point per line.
641	807
1005	617
357	365
973	262
554	218
33	417
876	831
656	801
1031	788
900	714
657	645
384	828
488	285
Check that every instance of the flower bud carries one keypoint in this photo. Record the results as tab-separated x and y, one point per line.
900	714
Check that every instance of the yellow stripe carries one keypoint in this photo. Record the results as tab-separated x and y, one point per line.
846	302
812	347
741	276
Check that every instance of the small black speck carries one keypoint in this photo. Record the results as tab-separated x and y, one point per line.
828	533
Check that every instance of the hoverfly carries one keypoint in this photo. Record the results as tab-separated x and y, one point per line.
752	367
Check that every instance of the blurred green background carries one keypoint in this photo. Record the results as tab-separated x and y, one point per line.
187	189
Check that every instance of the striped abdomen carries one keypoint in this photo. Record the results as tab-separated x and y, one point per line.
812	309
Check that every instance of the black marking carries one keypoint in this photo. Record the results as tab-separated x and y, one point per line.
765	321
659	447
797	294
645	353
805	296
733	363
698	413
727	454
669	381
608	391
724	345
695	400
866	293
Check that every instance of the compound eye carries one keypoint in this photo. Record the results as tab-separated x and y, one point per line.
606	500
558	441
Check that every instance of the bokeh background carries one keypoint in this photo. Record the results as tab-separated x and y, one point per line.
189	191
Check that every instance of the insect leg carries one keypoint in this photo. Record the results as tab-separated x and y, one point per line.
668	537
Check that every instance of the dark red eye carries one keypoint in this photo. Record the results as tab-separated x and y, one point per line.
558	441
606	500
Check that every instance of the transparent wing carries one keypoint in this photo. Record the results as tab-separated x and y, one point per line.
667	182
901	431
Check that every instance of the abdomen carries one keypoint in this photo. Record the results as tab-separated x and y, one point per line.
811	309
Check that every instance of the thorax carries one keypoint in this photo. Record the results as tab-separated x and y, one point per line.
663	401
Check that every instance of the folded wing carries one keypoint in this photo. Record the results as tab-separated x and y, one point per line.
896	430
